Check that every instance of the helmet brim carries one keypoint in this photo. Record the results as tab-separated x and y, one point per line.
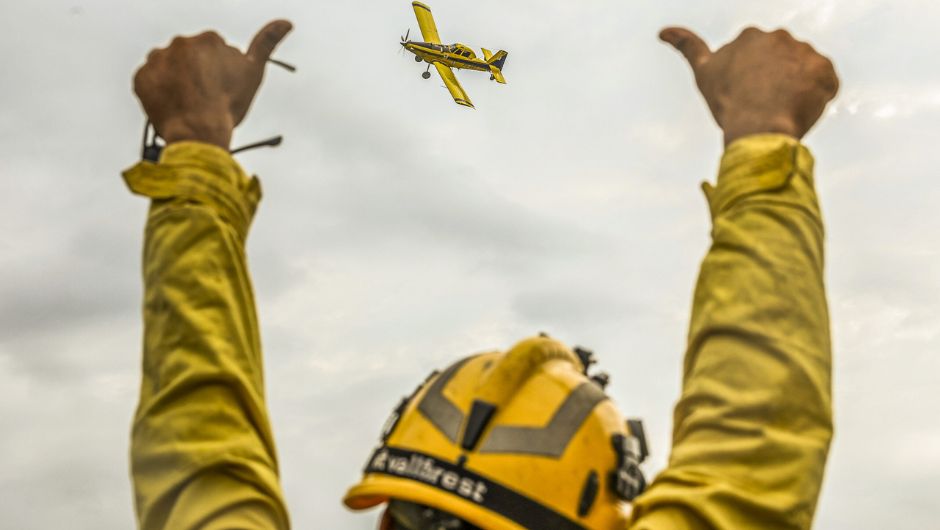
376	489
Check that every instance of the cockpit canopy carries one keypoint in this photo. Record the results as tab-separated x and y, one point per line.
461	49
457	48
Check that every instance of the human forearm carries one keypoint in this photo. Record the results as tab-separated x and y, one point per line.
202	448
753	425
202	452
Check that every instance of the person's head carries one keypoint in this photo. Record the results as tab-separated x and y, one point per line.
506	441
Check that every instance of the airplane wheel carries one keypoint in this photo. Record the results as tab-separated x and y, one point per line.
492	77
426	75
417	59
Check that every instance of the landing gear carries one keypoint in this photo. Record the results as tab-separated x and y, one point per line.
426	75
492	77
417	59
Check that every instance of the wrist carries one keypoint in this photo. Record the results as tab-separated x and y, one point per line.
749	125
210	129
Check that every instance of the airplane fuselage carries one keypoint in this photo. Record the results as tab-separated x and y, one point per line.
451	56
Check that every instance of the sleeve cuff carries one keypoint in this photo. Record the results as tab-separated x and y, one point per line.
671	516
201	173
755	164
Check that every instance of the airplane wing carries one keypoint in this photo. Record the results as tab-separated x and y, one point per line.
457	91
426	23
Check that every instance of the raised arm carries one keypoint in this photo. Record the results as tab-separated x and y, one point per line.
753	425
202	451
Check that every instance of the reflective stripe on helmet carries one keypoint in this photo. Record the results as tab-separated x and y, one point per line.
438	409
463	483
552	439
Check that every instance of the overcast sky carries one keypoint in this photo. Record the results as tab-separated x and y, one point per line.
400	231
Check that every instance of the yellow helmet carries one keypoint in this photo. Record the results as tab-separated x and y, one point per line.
506	441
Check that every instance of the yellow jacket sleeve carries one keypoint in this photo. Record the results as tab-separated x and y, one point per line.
202	451
753	424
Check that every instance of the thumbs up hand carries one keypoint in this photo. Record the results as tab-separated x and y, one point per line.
760	82
199	88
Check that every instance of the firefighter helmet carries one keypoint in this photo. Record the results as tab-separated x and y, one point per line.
506	441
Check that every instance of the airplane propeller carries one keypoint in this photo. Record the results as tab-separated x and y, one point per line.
404	40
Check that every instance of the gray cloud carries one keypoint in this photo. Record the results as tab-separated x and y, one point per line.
399	232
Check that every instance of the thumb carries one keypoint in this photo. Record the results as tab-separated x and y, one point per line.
688	43
262	46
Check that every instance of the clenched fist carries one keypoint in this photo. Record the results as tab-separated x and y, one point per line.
760	82
199	88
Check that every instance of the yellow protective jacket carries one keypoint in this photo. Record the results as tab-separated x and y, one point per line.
202	451
752	428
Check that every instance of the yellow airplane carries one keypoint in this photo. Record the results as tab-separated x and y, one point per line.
444	57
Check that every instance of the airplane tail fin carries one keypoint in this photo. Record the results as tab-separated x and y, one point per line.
496	63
